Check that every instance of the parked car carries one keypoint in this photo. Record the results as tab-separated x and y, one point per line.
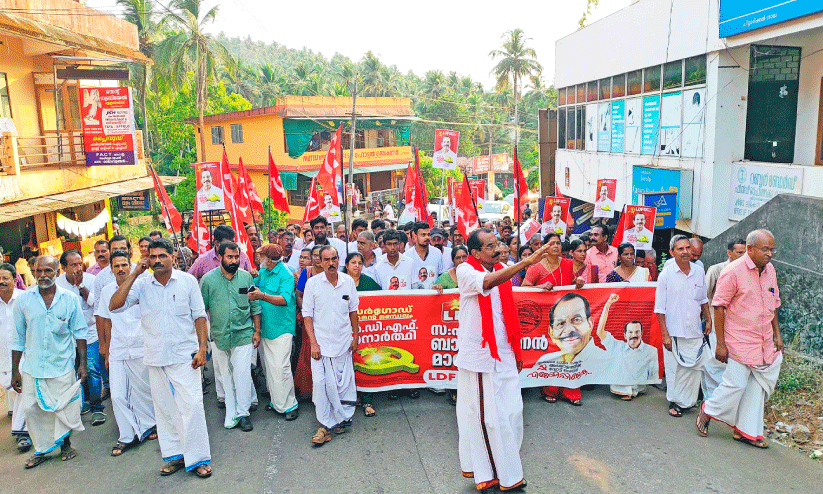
493	210
439	206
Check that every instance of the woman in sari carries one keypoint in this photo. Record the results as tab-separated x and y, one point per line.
627	271
578	253
449	278
302	371
524	252
363	283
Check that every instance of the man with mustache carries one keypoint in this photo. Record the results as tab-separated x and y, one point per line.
101	254
428	260
130	390
235	329
175	340
395	271
210	260
8	297
638	361
319	227
50	332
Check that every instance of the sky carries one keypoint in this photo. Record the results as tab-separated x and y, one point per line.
423	35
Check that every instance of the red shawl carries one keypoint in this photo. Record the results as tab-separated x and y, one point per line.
510	316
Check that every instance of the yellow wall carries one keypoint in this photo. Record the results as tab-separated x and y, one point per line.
18	69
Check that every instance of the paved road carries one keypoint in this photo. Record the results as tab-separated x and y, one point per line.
605	446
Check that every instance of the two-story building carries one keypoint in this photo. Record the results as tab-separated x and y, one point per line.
298	130
48	193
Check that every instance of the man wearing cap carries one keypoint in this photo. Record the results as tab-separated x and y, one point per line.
438	240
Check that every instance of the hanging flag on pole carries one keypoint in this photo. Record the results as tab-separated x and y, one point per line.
199	237
312	203
171	217
247	184
521	189
241	194
421	196
330	176
277	193
233	200
466	217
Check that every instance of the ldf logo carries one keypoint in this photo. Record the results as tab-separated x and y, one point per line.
450	310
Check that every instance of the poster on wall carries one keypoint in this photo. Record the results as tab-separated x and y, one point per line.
445	149
604	205
638	226
604	127
694	102
555	214
632	119
209	186
482	164
651	124
754	185
618	125
591	127
670	115
108	125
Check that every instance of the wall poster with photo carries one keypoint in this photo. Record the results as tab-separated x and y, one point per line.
694	114
670	119
618	125
591	128
604	127
632	121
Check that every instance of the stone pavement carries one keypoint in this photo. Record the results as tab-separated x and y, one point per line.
605	446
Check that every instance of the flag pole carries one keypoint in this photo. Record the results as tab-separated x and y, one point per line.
517	212
168	215
271	207
349	211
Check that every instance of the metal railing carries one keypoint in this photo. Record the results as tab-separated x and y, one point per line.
54	149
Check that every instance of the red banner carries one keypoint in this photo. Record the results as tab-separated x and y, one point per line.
108	125
411	342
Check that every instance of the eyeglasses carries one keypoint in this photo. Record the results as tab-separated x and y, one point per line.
766	250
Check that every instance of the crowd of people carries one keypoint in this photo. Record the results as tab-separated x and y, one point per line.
282	326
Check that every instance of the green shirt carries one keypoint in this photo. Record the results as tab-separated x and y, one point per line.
367	284
277	319
229	311
446	281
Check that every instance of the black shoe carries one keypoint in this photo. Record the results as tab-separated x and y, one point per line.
414	394
253	407
221	404
393	395
292	414
106	394
245	424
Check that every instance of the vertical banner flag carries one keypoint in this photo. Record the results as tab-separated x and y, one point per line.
230	188
465	210
312	203
445	149
241	193
209	182
421	195
555	213
638	226
277	193
521	189
409	213
171	217
604	204
330	176
199	237
245	181
108	125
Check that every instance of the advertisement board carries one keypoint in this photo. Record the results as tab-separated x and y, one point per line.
108	125
753	185
740	16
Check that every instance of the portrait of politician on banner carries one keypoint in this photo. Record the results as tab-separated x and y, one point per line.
445	149
209	186
638	224
330	211
604	205
555	212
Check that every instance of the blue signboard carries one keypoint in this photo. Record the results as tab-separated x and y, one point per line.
651	124
740	16
604	123
618	126
666	204
647	179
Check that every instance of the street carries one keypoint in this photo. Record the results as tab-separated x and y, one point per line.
410	446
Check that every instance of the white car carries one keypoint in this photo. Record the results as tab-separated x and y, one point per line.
493	210
439	206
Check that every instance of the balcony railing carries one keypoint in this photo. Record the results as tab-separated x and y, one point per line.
53	149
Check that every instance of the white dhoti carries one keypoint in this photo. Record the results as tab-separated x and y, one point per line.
490	425
178	408
235	376
333	390
52	408
688	355
628	390
276	358
218	383
15	402
713	369
131	399
740	398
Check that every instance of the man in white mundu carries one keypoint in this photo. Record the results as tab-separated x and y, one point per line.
489	405
123	350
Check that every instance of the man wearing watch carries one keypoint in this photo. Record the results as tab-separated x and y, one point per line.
77	282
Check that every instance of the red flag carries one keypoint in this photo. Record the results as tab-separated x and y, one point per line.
235	202
171	217
277	193
331	172
618	233
521	189
411	180
312	203
241	194
420	194
247	186
199	237
465	209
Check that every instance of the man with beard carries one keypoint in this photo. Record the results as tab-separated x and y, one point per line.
8	297
173	319
235	329
425	256
210	260
291	256
319	227
638	363
101	254
50	332
123	351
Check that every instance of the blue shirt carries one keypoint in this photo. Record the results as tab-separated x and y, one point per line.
47	335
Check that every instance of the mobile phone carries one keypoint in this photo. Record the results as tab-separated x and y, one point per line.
246	291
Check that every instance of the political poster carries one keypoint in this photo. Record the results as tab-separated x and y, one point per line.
570	338
638	226
528	229
210	195
500	162
108	125
555	214
604	205
482	164
445	149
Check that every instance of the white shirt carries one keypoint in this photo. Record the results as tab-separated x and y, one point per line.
638	366
637	238
329	307
105	276
7	330
294	261
167	314
370	270
447	259
87	305
339	246
126	334
551	226
471	355
403	270
389	211
598	209
679	296
433	264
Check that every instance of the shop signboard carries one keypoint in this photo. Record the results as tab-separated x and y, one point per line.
740	16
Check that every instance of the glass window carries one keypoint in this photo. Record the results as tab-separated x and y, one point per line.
217	135
673	75
581	93
651	79
635	80
591	91
606	88
696	70
570	128
619	86
561	96
237	133
581	127
5	102
561	128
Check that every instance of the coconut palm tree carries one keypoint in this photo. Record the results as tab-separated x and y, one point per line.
191	48
141	13
516	62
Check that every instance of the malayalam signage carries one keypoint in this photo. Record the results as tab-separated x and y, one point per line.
651	124
618	125
139	201
108	125
740	16
754	185
647	179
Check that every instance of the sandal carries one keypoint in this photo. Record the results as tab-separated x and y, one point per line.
758	443
626	397
23	443
171	467
35	460
67	454
702	424
576	403
675	410
121	448
369	411
152	435
321	437
549	399
203	471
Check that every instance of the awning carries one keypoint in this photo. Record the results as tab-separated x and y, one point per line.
360	169
39	205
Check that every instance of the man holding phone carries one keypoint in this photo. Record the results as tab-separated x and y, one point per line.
235	328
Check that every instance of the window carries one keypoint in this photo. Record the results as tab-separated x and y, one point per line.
581	93
635	81
696	70
570	128
606	88
217	135
591	91
359	139
581	127
561	96
651	79
237	133
561	128
619	86
5	102
673	75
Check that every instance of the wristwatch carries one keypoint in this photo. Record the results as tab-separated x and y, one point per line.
81	286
